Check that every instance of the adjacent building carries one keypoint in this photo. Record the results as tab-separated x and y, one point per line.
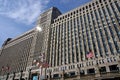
83	43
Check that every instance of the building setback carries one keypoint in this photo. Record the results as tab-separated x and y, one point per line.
83	43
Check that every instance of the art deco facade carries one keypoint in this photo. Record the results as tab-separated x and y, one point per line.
66	40
18	54
92	27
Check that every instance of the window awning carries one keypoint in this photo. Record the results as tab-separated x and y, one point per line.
72	73
56	76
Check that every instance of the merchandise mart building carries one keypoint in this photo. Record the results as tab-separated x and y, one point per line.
66	40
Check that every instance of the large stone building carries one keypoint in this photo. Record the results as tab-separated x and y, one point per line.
82	44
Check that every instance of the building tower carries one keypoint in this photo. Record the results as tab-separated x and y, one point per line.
18	54
83	43
86	41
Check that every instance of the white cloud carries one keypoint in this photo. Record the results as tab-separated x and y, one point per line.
25	11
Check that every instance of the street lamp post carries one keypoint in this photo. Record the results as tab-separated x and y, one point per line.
21	74
13	75
49	75
46	76
63	74
97	71
79	70
119	66
7	76
29	76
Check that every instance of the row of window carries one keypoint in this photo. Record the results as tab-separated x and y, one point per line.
16	56
83	9
68	34
88	7
98	62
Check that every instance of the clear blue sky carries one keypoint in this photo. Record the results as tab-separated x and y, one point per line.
19	16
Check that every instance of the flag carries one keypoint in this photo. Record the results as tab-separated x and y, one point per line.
7	67
42	55
45	65
3	68
90	54
35	62
38	64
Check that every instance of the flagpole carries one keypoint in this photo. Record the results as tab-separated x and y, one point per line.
42	64
40	72
45	73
